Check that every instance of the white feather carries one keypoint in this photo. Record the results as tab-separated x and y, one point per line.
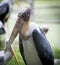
32	27
1	25
30	52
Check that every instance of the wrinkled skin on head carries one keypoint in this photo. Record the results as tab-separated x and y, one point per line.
25	15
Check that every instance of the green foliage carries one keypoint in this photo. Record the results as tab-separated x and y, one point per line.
0	0
56	53
20	60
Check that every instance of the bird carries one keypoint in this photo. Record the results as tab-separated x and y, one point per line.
34	46
5	10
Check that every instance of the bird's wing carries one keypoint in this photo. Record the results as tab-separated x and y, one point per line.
42	32
21	49
43	48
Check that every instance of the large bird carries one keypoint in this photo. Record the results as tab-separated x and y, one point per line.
4	57
34	46
5	10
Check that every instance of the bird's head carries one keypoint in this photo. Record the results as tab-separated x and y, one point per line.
24	15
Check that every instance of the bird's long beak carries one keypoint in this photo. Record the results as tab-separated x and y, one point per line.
19	25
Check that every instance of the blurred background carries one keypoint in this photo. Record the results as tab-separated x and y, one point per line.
46	12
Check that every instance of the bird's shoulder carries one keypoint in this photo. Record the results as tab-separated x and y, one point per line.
33	26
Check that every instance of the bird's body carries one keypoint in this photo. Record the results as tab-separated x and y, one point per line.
28	48
30	52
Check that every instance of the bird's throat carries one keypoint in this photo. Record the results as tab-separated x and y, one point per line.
24	31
